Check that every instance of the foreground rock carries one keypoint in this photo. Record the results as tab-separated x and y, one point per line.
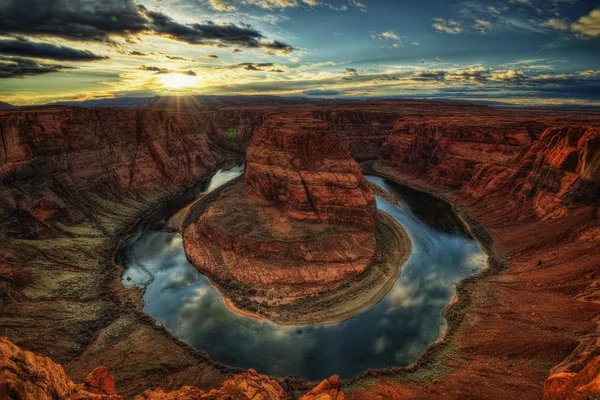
302	222
329	389
575	386
27	376
249	385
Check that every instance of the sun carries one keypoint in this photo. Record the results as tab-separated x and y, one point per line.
177	81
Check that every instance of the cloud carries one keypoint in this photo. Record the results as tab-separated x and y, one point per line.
159	70
429	75
15	67
72	20
508	76
88	21
415	43
588	25
494	10
250	66
212	33
25	48
482	26
473	74
556	23
321	92
351	71
380	344
390	35
358	4
447	26
590	73
230	5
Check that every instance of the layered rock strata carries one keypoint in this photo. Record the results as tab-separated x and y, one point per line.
301	222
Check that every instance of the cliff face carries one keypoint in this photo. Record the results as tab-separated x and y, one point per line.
562	168
300	163
362	131
556	168
302	220
450	151
56	155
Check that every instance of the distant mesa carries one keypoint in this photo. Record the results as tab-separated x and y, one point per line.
5	106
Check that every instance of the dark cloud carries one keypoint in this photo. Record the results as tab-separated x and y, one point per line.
321	92
85	21
25	48
352	71
175	58
429	75
73	20
15	67
159	70
250	66
388	78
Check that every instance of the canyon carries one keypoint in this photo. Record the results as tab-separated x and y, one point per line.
73	181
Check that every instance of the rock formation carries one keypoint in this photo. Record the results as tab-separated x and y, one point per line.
302	221
329	389
249	385
25	375
582	385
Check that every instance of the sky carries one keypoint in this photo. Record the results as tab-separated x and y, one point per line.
517	51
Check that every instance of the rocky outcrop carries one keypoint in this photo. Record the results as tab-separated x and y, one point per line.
298	163
25	375
583	385
329	389
301	222
249	385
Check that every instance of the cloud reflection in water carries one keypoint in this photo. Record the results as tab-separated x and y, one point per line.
392	333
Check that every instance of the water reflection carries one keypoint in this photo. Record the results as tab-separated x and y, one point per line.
392	333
